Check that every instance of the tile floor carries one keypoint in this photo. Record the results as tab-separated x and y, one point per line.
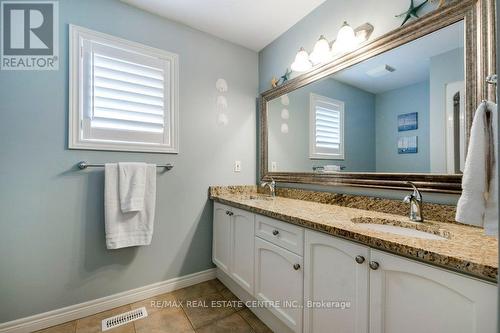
179	312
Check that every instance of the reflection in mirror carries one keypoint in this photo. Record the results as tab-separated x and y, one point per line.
399	112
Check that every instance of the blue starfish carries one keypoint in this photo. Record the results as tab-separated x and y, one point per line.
412	11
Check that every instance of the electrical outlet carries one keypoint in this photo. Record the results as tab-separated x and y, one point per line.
237	166
274	166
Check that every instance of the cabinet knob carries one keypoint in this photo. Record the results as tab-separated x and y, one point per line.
360	259
230	213
374	265
227	212
275	232
296	267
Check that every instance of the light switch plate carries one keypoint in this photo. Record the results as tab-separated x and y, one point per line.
237	166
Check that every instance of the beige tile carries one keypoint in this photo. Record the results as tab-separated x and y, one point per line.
232	324
198	290
63	328
167	320
257	325
92	324
234	301
157	303
217	284
204	310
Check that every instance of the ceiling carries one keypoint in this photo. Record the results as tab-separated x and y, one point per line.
411	61
250	23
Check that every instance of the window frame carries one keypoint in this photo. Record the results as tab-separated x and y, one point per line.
313	153
76	119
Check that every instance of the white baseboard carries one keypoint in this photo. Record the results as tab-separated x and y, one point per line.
59	316
266	316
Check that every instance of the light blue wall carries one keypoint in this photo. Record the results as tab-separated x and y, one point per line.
52	248
390	104
327	19
291	150
445	68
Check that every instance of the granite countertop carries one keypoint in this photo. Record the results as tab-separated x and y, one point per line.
465	249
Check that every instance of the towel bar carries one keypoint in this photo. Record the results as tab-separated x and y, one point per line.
84	165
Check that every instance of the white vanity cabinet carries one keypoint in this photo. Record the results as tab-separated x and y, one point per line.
328	284
411	297
279	277
335	270
233	244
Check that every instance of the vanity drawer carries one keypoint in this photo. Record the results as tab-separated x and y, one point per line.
283	234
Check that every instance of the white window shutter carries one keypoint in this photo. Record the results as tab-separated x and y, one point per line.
327	128
127	94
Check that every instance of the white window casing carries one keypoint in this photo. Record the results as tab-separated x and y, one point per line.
326	130
123	95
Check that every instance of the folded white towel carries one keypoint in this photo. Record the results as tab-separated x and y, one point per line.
132	184
132	228
479	178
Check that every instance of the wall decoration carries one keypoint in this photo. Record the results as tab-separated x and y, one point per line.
412	12
284	128
285	100
408	145
283	78
221	104
274	82
221	86
285	114
408	122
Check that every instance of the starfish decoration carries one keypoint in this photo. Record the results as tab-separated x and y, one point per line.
274	82
412	11
285	76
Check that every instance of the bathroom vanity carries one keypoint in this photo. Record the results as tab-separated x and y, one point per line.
333	271
396	109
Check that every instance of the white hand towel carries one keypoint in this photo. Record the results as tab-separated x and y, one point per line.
132	183
132	228
476	180
491	210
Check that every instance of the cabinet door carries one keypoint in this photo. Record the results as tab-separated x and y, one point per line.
221	253
411	297
331	275
242	248
277	280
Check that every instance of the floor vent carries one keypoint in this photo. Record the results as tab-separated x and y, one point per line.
124	318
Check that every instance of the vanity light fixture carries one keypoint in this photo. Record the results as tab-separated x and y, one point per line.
347	40
301	63
321	52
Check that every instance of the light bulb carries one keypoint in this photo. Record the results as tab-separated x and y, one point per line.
346	39
301	63
321	52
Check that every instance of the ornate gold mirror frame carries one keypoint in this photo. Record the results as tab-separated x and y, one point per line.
479	21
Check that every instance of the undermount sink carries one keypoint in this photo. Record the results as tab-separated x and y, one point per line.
408	229
260	197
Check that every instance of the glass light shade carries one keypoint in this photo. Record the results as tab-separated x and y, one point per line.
346	39
321	52
301	63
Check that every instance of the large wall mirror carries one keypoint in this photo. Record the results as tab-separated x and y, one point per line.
397	109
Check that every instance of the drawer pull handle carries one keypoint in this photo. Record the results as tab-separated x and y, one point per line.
374	265
296	267
275	232
360	259
230	213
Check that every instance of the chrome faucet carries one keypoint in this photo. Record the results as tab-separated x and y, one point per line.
415	201
272	187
